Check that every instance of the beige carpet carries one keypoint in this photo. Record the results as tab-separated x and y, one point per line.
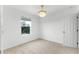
41	47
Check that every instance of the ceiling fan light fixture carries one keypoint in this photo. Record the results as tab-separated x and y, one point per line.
42	12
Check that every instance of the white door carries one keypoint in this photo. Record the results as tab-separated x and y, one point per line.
70	32
77	25
78	32
75	31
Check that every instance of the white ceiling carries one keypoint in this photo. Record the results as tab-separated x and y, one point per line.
33	9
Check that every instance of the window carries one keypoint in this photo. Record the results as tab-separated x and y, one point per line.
25	26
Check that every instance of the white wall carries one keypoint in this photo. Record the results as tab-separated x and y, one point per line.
11	35
54	26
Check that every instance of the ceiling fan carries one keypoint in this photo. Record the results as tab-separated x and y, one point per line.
42	12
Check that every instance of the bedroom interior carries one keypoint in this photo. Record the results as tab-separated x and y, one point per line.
40	29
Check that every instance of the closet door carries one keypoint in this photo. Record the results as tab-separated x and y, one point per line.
70	32
78	31
75	34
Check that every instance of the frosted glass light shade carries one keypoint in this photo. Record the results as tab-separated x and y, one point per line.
42	13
